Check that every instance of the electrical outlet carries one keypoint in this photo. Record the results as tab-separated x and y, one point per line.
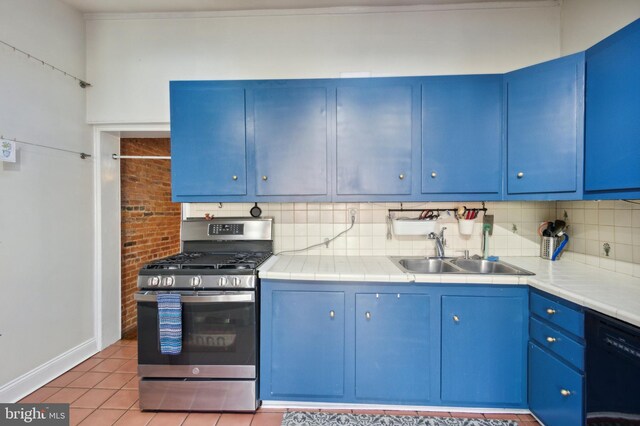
353	213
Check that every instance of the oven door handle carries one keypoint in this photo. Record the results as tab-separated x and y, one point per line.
247	296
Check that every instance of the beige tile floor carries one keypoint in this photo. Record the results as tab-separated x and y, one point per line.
103	391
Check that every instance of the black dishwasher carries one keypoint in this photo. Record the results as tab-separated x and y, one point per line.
612	371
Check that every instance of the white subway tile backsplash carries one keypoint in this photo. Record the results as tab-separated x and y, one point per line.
591	225
606	217
612	225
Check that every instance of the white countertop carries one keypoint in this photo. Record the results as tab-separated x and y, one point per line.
611	293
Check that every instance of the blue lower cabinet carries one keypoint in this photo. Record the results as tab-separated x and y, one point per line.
555	389
392	347
307	344
483	359
384	343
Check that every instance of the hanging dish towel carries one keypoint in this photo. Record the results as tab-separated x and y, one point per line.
170	323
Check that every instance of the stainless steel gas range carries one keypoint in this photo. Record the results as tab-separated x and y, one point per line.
214	367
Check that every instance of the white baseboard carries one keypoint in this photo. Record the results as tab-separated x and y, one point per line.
22	386
353	406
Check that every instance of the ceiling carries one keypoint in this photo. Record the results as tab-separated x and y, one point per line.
147	6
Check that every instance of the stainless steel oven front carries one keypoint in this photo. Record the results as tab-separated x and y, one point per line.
218	355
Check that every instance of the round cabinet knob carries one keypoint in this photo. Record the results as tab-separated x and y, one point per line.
433	175
234	177
565	392
456	318
401	176
196	370
332	314
222	281
550	311
520	175
264	178
367	315
551	339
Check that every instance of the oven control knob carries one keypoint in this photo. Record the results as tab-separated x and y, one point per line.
154	281
169	281
222	281
196	281
236	281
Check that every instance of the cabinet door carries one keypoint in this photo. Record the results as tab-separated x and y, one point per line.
462	134
612	144
374	136
392	347
483	350
291	133
208	154
555	390
307	344
545	114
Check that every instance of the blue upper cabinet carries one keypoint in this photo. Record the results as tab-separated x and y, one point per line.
612	131
483	358
375	133
545	118
392	345
462	136
208	149
291	134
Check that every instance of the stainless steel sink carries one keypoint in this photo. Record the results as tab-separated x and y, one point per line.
444	265
428	266
480	266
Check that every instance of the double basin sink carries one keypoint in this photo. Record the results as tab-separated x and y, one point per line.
456	265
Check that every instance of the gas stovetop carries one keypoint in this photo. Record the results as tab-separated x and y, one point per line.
203	262
221	254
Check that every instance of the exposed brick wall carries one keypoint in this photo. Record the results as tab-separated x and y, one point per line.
150	221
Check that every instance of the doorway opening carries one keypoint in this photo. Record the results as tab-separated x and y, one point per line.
149	220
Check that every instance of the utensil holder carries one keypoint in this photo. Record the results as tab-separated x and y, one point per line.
406	226
548	245
465	226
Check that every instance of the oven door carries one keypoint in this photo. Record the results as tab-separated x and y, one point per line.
219	336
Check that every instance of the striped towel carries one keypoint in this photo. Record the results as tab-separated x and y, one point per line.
170	323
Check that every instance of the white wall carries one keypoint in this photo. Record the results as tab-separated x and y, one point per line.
46	201
131	59
586	22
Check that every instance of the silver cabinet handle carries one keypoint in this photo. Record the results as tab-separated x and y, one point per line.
234	177
565	392
520	175
332	314
433	175
367	315
551	339
456	318
550	311
199	297
401	176
264	178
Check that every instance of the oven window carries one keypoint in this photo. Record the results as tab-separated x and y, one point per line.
212	334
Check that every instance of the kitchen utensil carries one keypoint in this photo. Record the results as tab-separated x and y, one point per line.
559	226
460	212
558	250
255	211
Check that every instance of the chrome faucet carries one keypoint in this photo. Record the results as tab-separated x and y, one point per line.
440	241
